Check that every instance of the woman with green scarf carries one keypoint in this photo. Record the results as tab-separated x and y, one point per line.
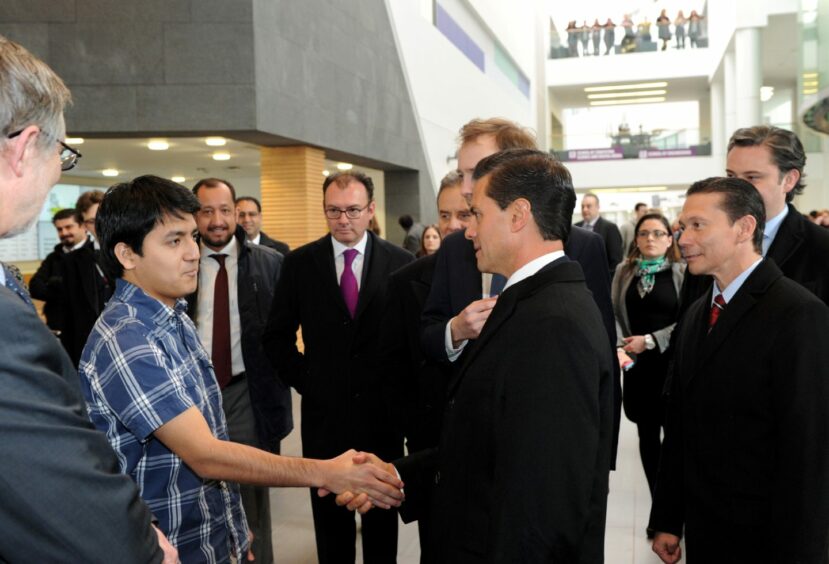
645	295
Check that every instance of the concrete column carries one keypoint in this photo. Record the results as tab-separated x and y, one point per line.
749	76
291	184
718	135
729	94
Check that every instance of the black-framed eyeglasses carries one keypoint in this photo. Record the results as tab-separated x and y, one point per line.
351	213
68	155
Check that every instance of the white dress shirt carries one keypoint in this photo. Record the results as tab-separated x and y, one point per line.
771	229
257	239
356	264
208	269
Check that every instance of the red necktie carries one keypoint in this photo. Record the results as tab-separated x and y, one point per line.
221	325
716	310
348	283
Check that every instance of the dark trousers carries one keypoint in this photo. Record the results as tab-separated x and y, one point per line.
336	530
650	445
241	428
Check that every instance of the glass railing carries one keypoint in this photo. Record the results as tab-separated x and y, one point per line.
625	144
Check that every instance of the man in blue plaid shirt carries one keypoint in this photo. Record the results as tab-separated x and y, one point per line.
150	386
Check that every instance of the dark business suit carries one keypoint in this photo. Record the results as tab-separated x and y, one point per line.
521	473
257	406
420	384
277	246
745	463
457	283
62	497
801	251
609	232
86	291
343	389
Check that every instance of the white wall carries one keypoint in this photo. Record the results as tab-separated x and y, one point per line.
447	89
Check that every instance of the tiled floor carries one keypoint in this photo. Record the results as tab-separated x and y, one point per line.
627	512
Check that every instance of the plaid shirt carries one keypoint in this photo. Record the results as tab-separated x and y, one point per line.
142	366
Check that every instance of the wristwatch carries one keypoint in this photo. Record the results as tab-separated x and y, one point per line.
650	344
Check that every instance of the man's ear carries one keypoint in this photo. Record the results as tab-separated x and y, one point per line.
747	225
20	147
126	256
790	179
521	214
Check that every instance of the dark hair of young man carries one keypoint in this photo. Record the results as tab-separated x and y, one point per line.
785	148
740	199
343	179
249	199
214	183
537	177
87	200
405	222
68	213
132	209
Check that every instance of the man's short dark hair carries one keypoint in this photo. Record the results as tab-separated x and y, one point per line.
591	195
640	205
250	199
343	179
537	177
786	150
452	178
132	209
68	213
740	199
87	200
405	221
214	183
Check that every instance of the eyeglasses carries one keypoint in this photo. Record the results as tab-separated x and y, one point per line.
68	156
351	213
657	234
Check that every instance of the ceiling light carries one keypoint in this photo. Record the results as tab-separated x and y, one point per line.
158	145
344	166
73	140
627	94
810	91
809	75
110	172
221	156
178	179
810	83
628	101
215	141
766	93
639	86
325	173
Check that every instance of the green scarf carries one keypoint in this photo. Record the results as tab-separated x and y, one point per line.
646	270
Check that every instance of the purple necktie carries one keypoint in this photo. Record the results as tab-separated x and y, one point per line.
348	283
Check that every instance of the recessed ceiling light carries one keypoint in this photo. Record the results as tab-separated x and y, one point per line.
158	145
110	172
73	140
215	141
221	156
344	166
655	100
325	173
178	179
809	75
639	86
627	94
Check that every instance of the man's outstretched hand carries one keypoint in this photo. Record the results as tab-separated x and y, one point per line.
362	481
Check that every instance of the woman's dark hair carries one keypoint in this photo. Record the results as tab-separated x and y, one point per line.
422	252
132	209
672	253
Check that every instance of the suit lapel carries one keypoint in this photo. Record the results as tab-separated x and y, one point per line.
743	302
788	239
375	264
324	258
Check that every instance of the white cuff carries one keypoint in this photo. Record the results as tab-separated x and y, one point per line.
452	353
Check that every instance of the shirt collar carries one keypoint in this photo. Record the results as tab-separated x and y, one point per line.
231	250
592	222
339	248
735	285
131	294
256	239
532	268
773	225
2	274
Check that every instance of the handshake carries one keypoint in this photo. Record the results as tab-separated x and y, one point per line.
364	481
